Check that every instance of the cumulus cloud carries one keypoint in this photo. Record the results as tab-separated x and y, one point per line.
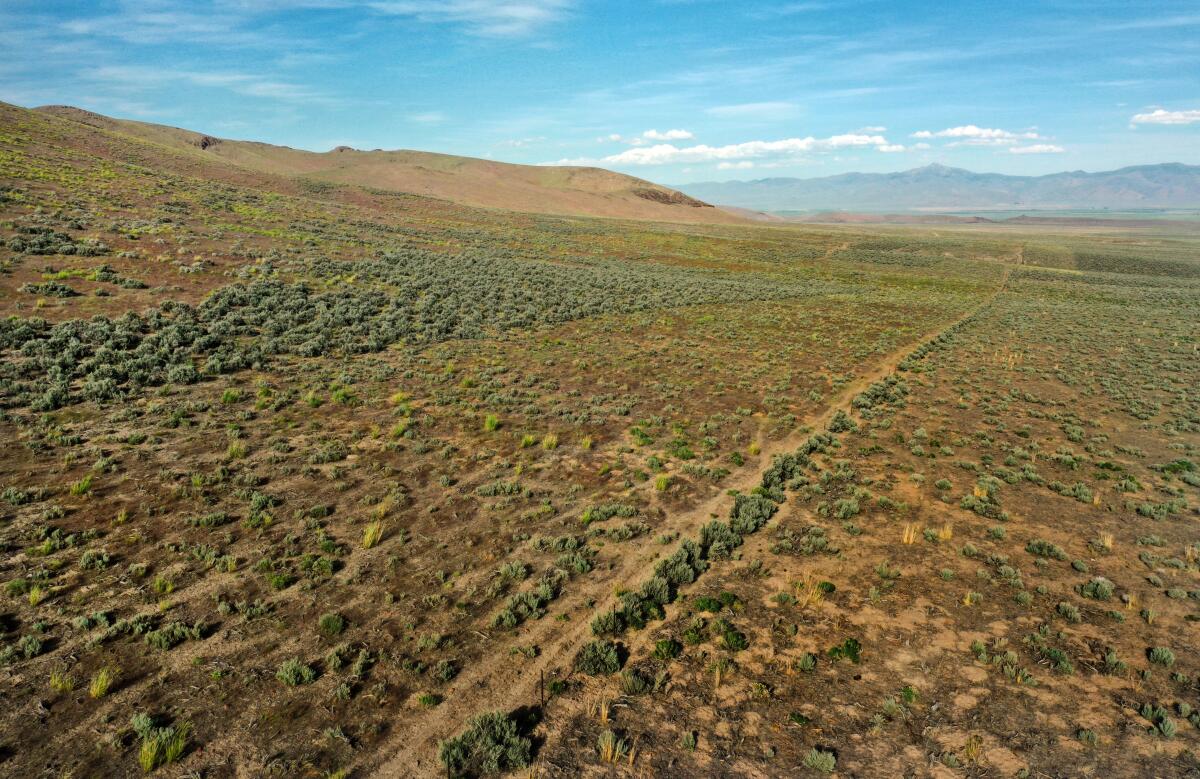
1037	148
892	147
666	153
973	135
669	135
647	137
670	154
1161	116
742	165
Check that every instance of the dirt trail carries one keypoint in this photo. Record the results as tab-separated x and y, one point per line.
641	641
505	685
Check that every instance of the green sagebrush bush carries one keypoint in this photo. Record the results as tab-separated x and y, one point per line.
491	744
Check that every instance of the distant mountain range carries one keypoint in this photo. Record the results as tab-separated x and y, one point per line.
937	187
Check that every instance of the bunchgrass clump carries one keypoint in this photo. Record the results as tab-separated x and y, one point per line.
372	534
81	487
161	745
611	748
102	681
61	680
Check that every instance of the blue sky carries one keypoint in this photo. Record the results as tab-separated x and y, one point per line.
671	90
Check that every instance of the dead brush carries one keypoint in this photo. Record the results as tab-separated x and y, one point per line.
600	708
61	680
809	592
973	749
720	669
380	510
1008	358
911	531
372	534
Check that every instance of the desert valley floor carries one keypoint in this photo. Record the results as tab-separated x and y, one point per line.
308	479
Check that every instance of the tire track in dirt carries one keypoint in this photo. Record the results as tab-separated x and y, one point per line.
641	642
486	687
643	639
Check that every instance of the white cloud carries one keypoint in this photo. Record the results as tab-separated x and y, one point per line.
982	142
1160	116
517	143
743	165
669	135
1037	148
241	83
236	22
891	147
767	110
666	153
648	136
144	23
487	18
1153	22
786	9
973	135
670	154
921	146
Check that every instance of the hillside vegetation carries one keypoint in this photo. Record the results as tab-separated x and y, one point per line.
310	479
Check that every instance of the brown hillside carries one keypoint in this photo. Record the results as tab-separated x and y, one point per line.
538	189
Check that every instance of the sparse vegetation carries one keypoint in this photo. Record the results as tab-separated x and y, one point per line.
372	445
